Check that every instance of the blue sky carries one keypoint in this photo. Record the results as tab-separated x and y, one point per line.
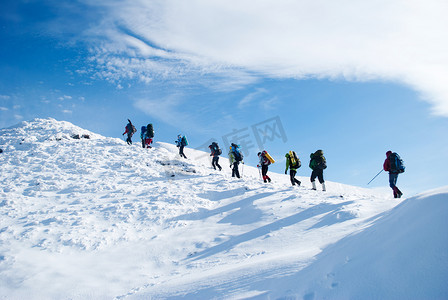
353	79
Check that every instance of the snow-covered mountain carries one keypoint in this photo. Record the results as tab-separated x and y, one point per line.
83	216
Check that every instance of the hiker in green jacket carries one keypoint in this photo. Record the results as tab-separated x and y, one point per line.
292	164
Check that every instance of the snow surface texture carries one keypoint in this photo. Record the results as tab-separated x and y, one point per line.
94	218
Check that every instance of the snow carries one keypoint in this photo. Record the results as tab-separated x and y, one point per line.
94	218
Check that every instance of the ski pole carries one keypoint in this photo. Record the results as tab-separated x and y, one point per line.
259	171
376	176
242	170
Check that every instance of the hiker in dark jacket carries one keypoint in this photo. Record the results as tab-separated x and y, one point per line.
149	135
215	152
181	143
235	157
264	163
318	164
393	175
292	170
130	130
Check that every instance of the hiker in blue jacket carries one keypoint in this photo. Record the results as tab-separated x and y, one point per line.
142	135
181	143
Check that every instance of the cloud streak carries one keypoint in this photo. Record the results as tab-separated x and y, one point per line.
401	41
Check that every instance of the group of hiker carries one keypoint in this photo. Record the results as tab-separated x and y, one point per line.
393	163
317	164
146	135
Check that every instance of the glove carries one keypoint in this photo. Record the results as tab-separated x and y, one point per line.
286	171
230	166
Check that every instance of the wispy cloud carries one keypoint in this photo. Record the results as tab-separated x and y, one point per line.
250	98
399	40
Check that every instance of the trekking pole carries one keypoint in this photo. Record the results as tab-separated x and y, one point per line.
259	171
242	170
376	176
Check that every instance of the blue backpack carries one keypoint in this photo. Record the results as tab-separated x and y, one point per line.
143	131
237	152
396	163
184	141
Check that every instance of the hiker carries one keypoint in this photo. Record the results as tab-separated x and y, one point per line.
130	130
318	164
215	152
394	165
292	163
142	135
181	143
264	163
235	157
149	135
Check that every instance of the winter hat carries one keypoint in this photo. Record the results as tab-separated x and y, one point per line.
388	153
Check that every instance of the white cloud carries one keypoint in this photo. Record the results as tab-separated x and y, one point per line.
3	108
4	97
65	97
403	41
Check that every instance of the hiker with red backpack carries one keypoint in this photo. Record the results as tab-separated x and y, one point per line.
215	152
264	163
394	165
235	157
130	130
292	163
318	164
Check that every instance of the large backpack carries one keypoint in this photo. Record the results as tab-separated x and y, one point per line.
149	131
396	163
294	160
215	148
142	135
131	128
237	152
184	141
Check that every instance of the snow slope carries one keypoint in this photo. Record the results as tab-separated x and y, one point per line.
98	219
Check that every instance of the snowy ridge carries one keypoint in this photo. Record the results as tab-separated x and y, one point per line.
96	218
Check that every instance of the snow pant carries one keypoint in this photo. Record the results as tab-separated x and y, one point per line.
292	175
148	142
393	177
235	171
264	172
215	163
181	151
319	173
128	140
